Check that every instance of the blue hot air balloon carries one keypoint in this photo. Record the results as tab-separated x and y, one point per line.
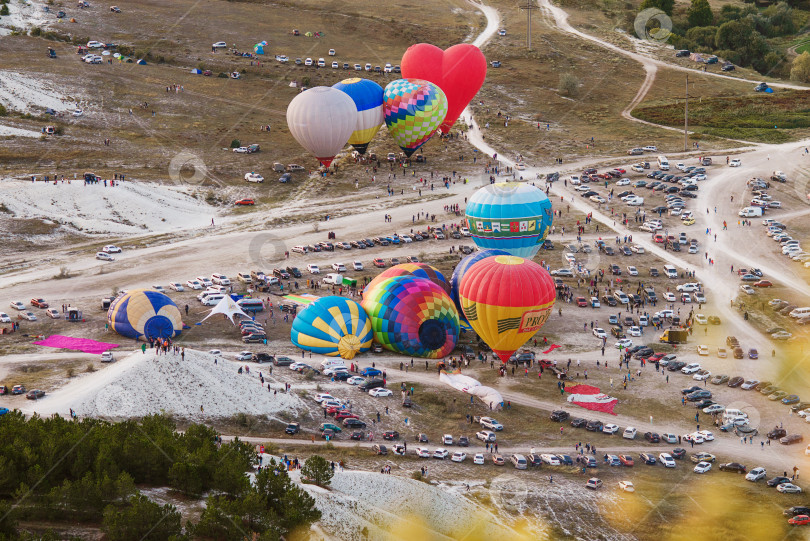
368	97
333	326
144	314
510	216
461	268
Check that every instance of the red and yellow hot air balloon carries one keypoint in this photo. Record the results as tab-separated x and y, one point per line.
506	299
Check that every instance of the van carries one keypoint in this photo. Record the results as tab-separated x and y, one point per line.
800	312
333	278
670	271
250	305
212	299
663	163
750	212
278	167
244	277
332	363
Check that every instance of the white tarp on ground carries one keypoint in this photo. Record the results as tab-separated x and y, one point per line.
228	307
466	384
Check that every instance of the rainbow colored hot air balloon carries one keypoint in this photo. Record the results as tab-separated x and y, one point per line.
368	97
144	314
332	326
510	216
412	316
506	299
322	119
461	269
419	270
413	110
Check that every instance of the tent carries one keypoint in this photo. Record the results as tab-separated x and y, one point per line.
466	384
228	307
308	34
141	61
196	71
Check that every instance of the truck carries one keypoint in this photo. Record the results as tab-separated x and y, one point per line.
750	212
674	336
338	279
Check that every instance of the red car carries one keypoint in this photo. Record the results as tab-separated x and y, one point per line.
334	409
656	357
582	302
39	303
620	170
761	283
345	415
799	520
626	460
545	363
245	202
379	262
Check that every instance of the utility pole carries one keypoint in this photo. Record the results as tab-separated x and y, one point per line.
686	118
528	8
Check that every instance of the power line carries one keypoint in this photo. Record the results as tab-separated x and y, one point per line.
528	8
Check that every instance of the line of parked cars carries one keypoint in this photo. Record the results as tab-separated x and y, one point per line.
437	233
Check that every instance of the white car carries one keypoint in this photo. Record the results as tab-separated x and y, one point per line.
703	350
598	199
17	305
485	435
241	150
623	182
700	319
755	475
447	439
748	289
599	332
669	296
623	343
650	148
28	315
335	65
220	279
194	284
330	370
702	467
205	281
690	368
313	269
338	267
358	266
423	452
95	45
320	397
688	287
707	436
111	249
551	460
669	438
465	232
788	488
254	177
441	453
610	428
695	437
627	486
244	356
4	318
104	256
735	163
478	459
406	239
634	331
629	433
356	380
308	62
667	460
714	408
177	286
638	249
219	45
332	52
502	32
459	456
632	271
380	392
702	375
158	288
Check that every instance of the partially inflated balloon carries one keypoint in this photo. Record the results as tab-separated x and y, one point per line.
420	270
506	299
413	110
461	269
510	216
322	119
412	316
459	72
144	314
368	98
332	326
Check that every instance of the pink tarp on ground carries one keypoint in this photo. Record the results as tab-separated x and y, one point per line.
79	344
591	398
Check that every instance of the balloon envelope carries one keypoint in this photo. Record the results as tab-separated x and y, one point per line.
322	119
419	270
412	316
332	326
510	216
459	72
144	314
413	110
368	99
461	269
506	300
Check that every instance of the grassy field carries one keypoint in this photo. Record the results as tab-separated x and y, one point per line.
776	118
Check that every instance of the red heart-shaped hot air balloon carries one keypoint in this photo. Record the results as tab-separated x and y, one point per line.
459	72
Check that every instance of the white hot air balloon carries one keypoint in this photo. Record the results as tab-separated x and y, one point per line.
322	119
